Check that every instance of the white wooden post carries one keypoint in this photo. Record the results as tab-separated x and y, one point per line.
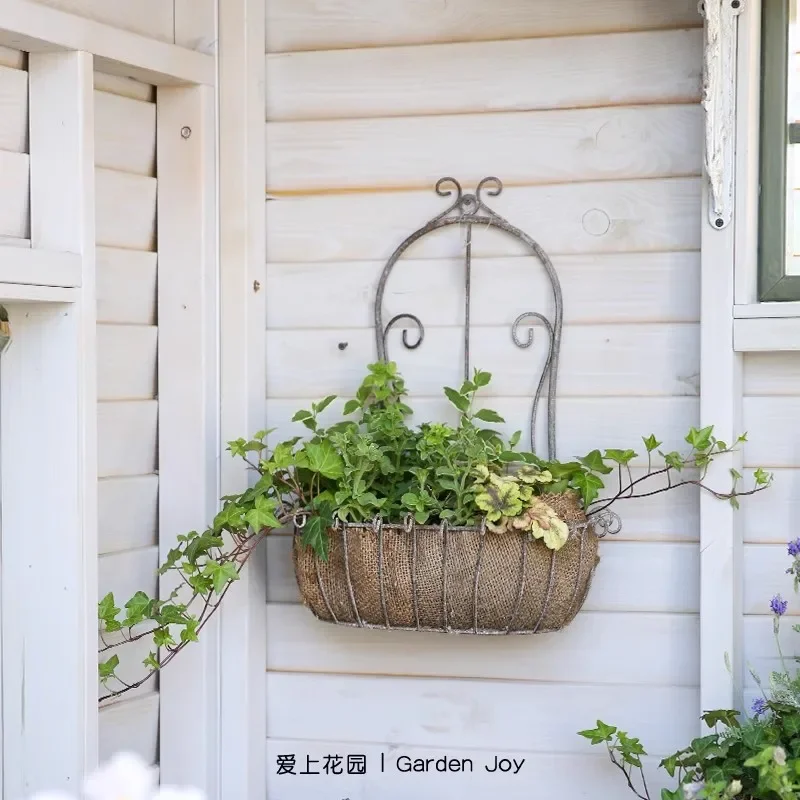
241	48
49	451
720	372
187	394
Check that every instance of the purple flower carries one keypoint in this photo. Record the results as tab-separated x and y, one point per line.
794	548
759	706
778	605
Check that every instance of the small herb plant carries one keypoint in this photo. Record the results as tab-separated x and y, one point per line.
373	463
755	759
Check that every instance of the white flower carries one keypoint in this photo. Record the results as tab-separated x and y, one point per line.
178	793
691	790
780	756
126	777
734	788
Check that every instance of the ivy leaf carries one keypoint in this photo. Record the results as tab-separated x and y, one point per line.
673	459
727	717
137	607
594	462
106	668
589	486
107	609
620	456
229	518
262	515
700	439
762	478
458	400
487	415
163	638
735	474
670	764
651	443
602	733
221	574
316	536
151	662
323	458
513	440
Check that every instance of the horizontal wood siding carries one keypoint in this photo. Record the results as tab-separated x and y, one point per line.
771	412
127	347
589	113
14	170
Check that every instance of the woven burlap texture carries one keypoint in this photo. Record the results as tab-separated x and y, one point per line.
462	580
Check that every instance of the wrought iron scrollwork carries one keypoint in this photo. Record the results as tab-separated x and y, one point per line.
470	210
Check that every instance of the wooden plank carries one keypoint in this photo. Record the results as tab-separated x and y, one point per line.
751	335
130	726
457	714
126	362
602	217
126	434
624	422
523	148
62	203
596	648
125	134
195	25
555	775
720	533
765	576
770	373
238	766
329	24
126	210
14	199
772	432
623	287
13	58
124	87
770	516
126	286
41	575
127	513
475	77
37	294
31	26
187	392
39	267
767	309
633	576
13	110
151	18
760	652
617	360
128	572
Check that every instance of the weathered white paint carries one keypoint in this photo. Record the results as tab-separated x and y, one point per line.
242	290
188	408
31	26
719	103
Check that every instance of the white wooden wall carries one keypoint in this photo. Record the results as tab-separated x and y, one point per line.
14	171
189	23
771	411
589	113
127	333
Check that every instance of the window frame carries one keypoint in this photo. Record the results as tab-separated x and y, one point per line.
774	284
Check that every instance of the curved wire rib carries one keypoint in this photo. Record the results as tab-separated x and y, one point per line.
551	418
470	209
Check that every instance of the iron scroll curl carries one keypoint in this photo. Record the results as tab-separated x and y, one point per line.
469	210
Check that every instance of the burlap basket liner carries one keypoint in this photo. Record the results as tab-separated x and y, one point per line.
460	580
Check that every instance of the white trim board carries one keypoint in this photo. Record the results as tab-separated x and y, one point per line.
32	27
766	335
36	267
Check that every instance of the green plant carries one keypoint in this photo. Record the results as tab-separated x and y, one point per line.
755	759
373	462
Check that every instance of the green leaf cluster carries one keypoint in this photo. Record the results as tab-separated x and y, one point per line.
372	461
